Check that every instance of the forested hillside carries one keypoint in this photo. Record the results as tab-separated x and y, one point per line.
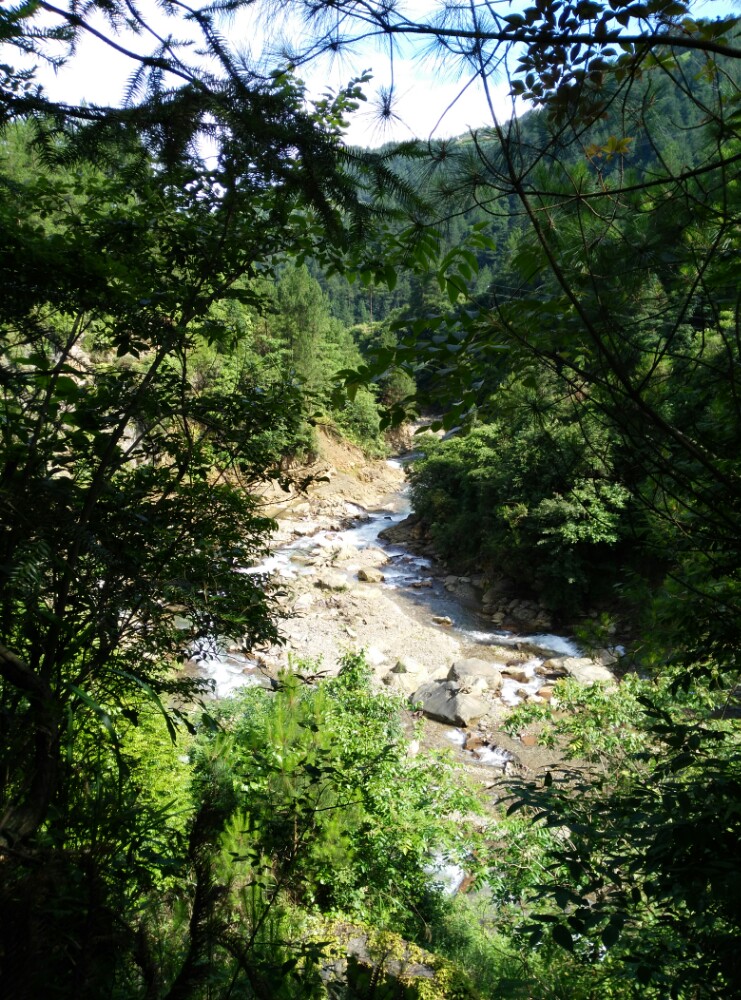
192	280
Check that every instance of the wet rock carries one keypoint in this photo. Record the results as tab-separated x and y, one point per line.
455	709
403	532
442	620
466	593
473	742
517	674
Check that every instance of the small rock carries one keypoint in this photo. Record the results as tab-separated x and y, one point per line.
406	666
443	620
528	739
473	742
546	693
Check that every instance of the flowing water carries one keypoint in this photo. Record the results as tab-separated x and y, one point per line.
406	573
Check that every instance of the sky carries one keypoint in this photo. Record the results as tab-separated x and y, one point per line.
430	101
97	74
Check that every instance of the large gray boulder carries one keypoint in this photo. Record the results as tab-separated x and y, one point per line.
443	702
473	674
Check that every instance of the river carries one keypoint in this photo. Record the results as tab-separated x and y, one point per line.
408	613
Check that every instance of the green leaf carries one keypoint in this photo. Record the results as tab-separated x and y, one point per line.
562	937
101	714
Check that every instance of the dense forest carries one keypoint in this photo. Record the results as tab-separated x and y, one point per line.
562	291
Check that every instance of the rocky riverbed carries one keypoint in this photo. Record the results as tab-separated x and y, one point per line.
350	582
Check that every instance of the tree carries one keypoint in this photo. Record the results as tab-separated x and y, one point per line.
621	283
622	288
124	479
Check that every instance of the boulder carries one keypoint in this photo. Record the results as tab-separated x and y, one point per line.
607	657
403	684
372	556
370	575
338	554
552	668
403	532
475	673
455	709
581	668
466	593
